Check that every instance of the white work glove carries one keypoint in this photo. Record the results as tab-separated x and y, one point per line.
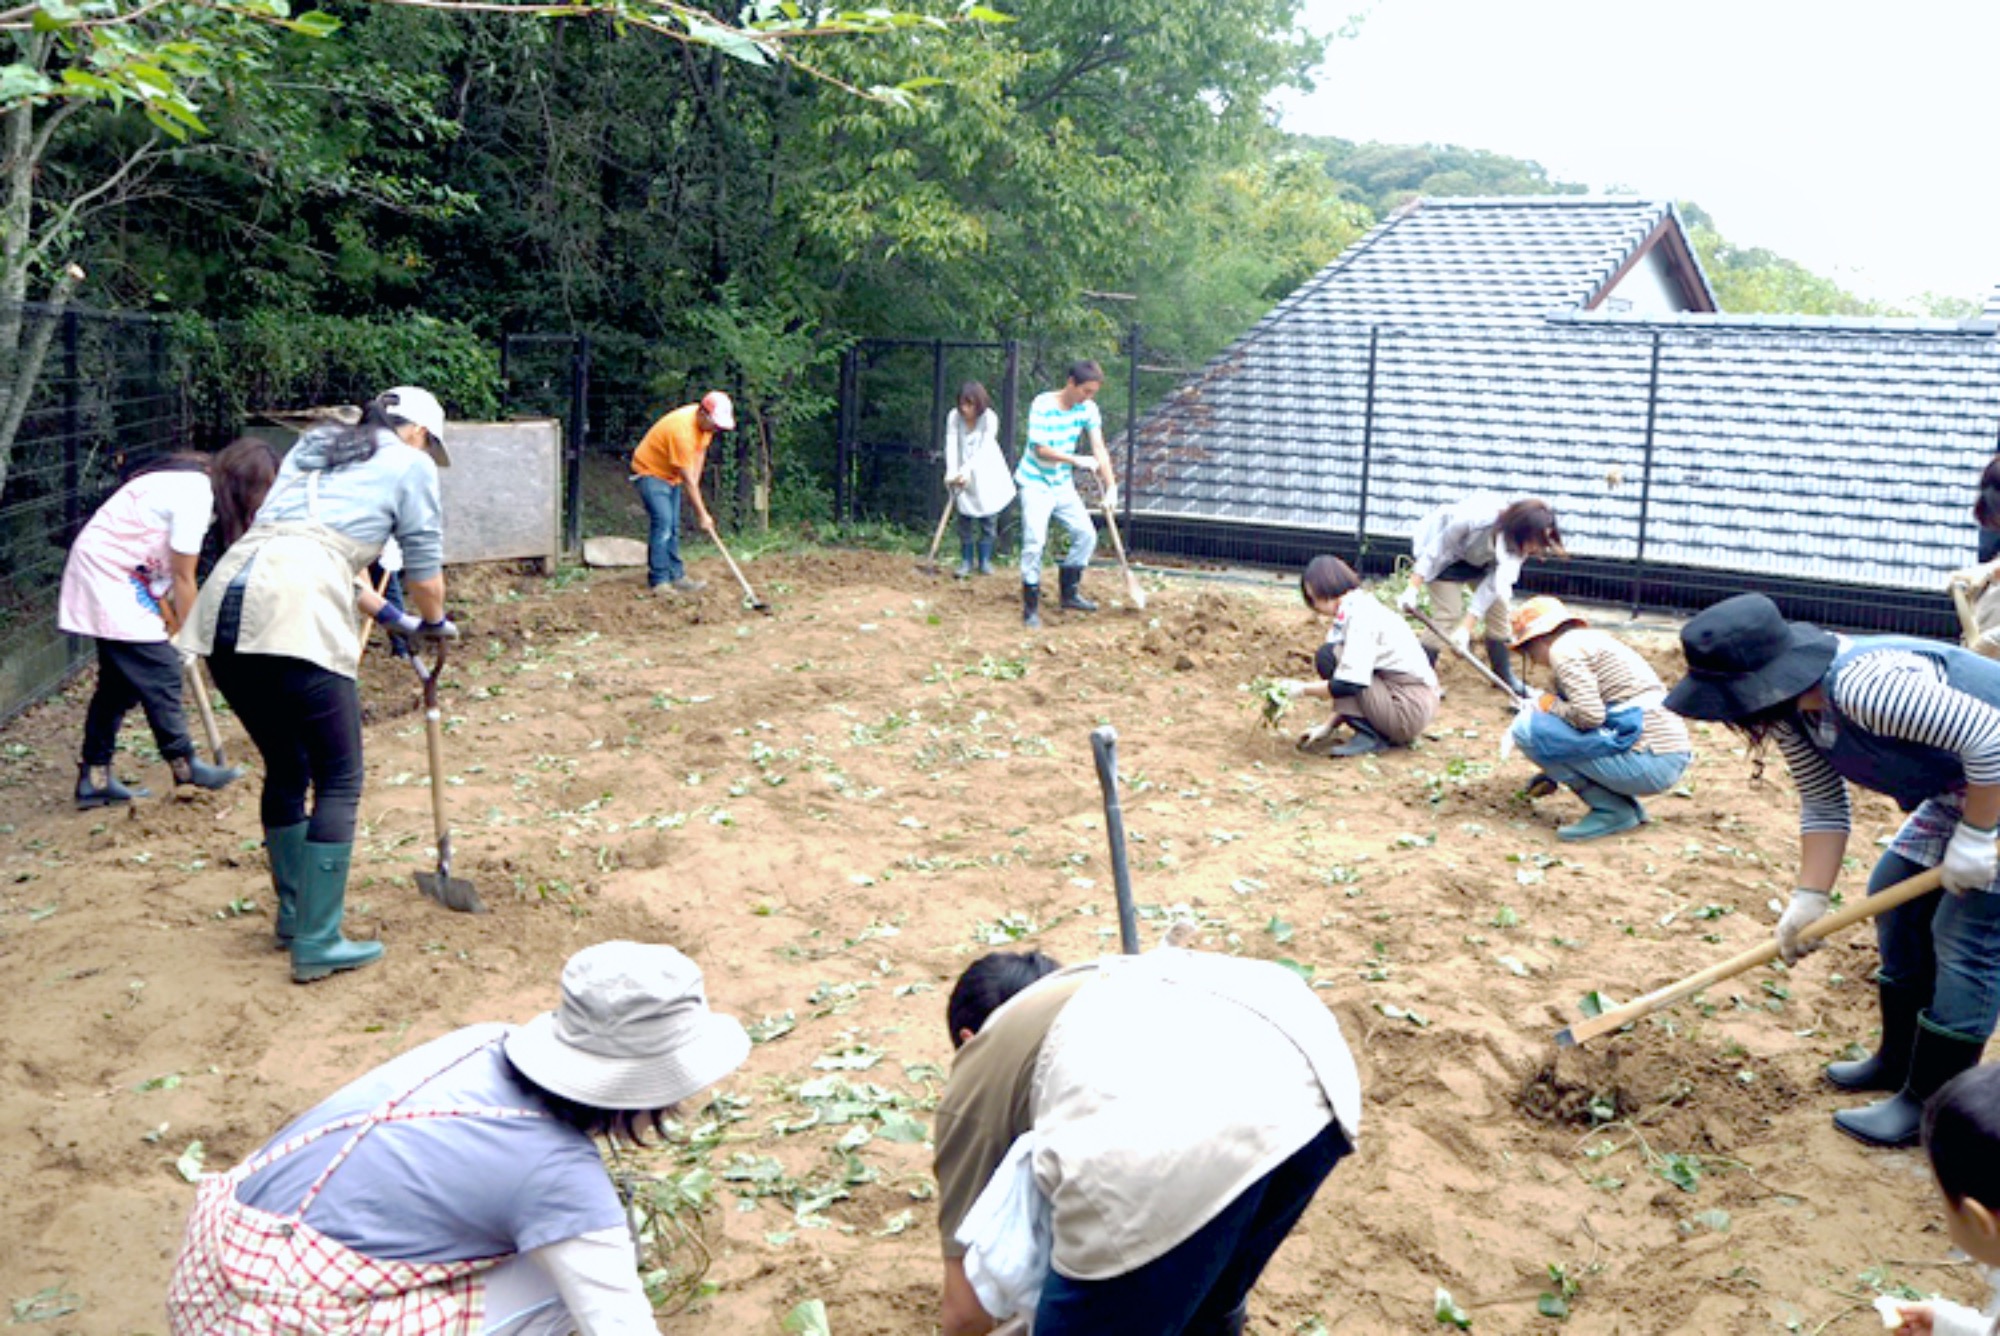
1411	598
1461	638
1111	496
955	481
188	658
1807	907
1291	686
391	559
1970	860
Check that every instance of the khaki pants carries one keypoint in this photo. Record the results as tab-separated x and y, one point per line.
1448	607
1396	705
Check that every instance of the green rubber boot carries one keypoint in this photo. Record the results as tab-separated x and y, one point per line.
318	949
285	846
1610	813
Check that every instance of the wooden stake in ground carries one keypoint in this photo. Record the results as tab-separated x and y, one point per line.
1867	907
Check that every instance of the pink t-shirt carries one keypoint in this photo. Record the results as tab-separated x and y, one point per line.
121	564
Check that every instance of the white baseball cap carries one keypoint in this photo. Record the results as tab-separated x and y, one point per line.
420	406
720	411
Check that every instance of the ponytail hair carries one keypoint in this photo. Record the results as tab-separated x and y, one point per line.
359	442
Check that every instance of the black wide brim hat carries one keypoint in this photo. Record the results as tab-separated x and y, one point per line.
1744	657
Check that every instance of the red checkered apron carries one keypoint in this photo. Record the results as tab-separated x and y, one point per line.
246	1272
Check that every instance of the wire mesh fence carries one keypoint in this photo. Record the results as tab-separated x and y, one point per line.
84	397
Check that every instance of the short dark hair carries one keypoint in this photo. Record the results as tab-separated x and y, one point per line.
974	393
1327	578
987	983
1962	1136
1987	508
1084	371
1529	526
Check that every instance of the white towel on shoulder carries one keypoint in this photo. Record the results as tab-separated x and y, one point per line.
1007	1236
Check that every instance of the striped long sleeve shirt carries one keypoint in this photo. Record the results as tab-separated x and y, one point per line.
1894	694
1594	672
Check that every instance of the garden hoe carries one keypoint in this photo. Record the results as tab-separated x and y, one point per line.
929	566
198	684
451	892
750	599
1132	588
1465	654
1847	915
1104	747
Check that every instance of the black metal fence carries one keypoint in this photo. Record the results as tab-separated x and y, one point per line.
100	396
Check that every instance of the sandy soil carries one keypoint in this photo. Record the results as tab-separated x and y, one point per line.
834	808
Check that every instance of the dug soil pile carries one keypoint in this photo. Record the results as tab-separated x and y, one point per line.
833	809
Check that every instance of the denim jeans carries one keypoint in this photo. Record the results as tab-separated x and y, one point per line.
1197	1286
1942	944
1040	505
663	537
1635	774
975	537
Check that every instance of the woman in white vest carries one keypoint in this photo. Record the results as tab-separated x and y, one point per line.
975	468
277	620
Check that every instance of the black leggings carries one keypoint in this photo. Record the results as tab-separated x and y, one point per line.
143	673
306	723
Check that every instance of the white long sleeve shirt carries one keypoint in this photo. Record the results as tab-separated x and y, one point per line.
1466	530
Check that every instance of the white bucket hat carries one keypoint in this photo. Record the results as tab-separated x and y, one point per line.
420	406
633	1031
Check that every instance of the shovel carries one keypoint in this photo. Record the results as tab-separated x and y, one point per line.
1847	915
1465	654
750	599
1104	747
929	566
1132	589
449	891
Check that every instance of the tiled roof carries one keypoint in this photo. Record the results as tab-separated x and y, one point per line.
1459	261
1844	452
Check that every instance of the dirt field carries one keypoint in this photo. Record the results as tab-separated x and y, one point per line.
833	809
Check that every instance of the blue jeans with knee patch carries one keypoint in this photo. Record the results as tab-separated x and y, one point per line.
1942	944
1039	505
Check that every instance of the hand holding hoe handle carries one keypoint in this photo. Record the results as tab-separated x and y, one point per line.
1867	907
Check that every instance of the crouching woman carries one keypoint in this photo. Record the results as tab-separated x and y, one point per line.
1604	733
1371	666
1162	1122
456	1190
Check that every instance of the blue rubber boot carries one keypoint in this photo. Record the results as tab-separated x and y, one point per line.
318	949
285	846
1610	813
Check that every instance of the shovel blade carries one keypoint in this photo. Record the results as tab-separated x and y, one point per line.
454	893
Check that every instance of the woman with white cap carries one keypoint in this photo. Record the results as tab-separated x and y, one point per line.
1916	720
457	1190
277	621
1604	732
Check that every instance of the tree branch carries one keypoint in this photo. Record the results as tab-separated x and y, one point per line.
67	215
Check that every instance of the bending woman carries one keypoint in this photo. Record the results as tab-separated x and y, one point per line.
1917	720
1480	542
129	583
456	1189
277	621
1371	667
1604	733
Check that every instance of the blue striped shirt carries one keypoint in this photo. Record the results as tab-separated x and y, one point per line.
1058	428
1894	694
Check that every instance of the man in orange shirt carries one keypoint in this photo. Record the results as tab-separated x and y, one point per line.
668	462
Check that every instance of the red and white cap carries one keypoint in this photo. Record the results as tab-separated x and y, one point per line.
720	411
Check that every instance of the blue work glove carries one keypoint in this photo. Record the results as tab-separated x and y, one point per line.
400	623
433	633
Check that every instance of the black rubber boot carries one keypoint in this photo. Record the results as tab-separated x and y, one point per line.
318	948
1503	666
1031	605
105	790
285	846
193	770
1938	1056
1365	741
1889	1065
1072	591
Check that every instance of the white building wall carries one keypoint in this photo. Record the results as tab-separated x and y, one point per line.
1646	289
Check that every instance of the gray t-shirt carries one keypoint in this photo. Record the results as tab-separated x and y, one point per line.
444	1189
393	492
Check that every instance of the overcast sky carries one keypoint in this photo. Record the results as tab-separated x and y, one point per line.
1862	140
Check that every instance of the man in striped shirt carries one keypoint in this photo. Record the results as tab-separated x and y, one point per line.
1057	421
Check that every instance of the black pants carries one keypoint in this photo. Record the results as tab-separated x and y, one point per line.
306	723
142	673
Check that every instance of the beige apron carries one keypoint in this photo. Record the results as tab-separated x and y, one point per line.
298	595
